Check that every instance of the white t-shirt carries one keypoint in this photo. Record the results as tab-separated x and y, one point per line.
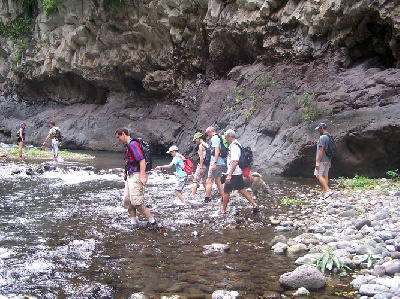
234	155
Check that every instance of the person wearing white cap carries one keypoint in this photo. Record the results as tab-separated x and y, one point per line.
234	178
180	174
322	161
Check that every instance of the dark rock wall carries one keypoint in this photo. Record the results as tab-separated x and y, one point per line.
270	70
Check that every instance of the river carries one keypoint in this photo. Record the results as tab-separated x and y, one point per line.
64	234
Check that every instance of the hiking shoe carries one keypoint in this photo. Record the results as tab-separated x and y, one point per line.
327	194
256	210
150	225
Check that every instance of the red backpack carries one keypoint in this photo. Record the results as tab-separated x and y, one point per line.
187	164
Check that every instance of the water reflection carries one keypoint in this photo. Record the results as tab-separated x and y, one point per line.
64	234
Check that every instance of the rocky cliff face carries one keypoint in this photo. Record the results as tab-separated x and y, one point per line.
269	69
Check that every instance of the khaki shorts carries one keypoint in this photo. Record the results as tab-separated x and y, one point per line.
134	191
180	183
200	178
217	172
323	169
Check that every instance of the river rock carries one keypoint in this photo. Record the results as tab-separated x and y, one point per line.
373	289
296	248
221	294
306	276
279	248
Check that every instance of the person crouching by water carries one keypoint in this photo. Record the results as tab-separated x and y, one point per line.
201	173
234	178
135	179
21	139
55	143
177	161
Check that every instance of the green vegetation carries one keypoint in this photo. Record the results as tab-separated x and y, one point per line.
358	182
238	95
264	82
51	6
291	201
16	29
253	100
35	152
394	175
328	260
312	111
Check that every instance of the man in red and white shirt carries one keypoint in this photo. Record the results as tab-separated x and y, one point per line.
136	180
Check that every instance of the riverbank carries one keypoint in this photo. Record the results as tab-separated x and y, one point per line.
360	225
9	152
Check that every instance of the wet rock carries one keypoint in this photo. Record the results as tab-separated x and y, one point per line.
30	171
270	295
15	171
301	292
142	296
215	247
360	223
373	289
297	248
392	267
306	276
278	239
221	294
279	248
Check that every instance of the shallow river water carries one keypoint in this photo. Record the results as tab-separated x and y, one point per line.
64	234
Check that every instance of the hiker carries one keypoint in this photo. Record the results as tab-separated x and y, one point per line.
201	173
180	174
55	135
217	165
322	161
21	139
234	177
135	179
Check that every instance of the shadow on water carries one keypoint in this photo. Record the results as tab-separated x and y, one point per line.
64	234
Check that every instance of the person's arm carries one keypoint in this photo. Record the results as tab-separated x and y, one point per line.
48	136
21	135
234	163
142	167
201	151
319	156
164	166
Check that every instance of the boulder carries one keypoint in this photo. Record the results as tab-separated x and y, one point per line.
305	276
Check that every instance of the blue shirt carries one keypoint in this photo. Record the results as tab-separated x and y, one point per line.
179	166
323	141
216	142
133	155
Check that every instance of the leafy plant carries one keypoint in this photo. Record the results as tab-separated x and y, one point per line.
51	6
263	81
358	182
311	109
238	95
394	175
291	201
16	28
253	100
328	260
112	3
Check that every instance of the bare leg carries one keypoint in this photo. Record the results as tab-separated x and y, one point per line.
225	200
194	188
220	187
179	194
209	186
248	197
20	145
324	182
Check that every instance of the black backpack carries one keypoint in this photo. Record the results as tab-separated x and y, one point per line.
145	148
224	147
246	156
58	134
207	158
332	148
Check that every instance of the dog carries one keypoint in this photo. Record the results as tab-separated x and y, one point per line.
256	184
